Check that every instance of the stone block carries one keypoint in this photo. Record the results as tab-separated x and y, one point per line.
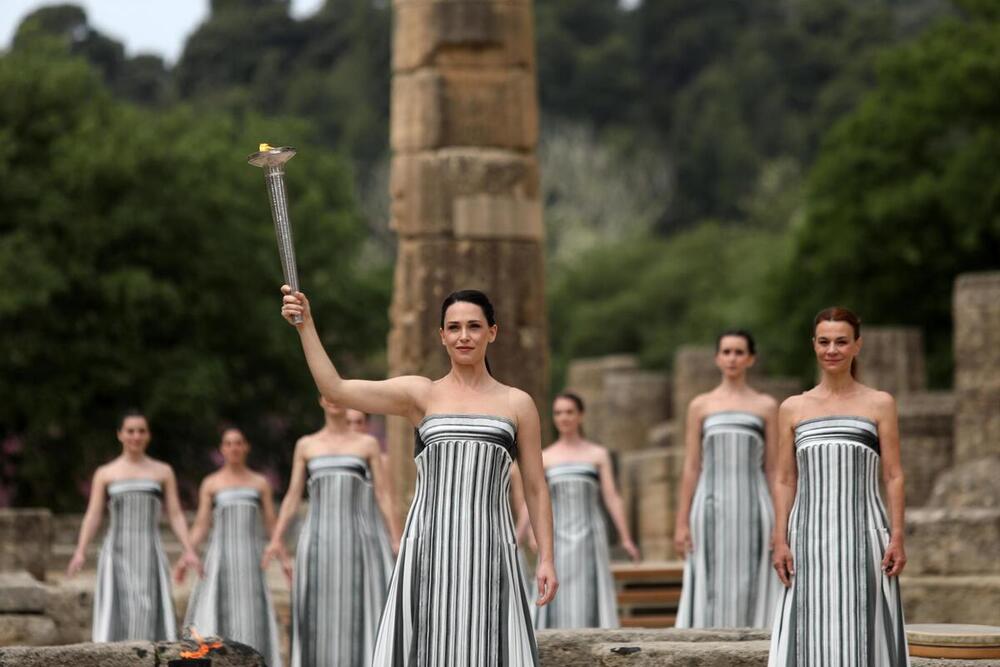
892	359
976	314
926	434
952	541
25	540
695	372
586	378
634	402
20	593
970	484
649	480
71	607
951	599
479	33
464	107
466	193
664	434
26	630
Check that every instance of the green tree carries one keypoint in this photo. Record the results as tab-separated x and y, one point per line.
141	269
905	193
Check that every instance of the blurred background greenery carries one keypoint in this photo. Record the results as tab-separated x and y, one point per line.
706	164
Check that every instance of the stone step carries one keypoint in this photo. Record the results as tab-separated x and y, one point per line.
959	541
971	599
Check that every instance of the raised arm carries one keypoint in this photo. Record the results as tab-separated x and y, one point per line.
689	478
613	501
892	474
403	396
91	522
178	524
536	492
289	506
786	478
383	494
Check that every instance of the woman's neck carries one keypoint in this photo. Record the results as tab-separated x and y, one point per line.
336	424
573	439
471	376
734	385
838	384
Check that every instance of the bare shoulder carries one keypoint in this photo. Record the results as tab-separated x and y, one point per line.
162	468
260	482
766	402
882	401
211	481
698	404
521	402
599	452
369	444
791	407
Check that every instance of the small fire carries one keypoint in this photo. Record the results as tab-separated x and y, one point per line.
203	646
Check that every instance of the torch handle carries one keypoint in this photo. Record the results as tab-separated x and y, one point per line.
274	176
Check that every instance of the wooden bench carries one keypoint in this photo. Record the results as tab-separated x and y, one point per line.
648	593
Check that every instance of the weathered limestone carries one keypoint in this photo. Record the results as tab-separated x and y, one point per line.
926	432
464	187
695	372
588	379
20	593
778	386
976	314
26	630
125	654
648	481
892	359
951	599
953	541
25	540
971	484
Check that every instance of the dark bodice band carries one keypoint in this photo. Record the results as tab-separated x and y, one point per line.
329	464
845	428
135	486
561	471
730	420
481	428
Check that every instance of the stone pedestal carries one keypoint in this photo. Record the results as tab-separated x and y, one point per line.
25	540
926	434
464	188
695	372
649	480
892	359
976	313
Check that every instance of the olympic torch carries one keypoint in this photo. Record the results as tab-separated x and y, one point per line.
273	160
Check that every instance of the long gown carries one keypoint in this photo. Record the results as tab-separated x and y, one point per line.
456	598
841	610
132	596
728	580
586	597
341	575
232	599
377	530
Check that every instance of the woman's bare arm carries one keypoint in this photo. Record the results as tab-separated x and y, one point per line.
613	501
785	481
91	522
536	492
403	396
689	478
203	518
267	506
892	474
178	524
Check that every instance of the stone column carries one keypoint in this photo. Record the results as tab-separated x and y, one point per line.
695	372
976	316
464	188
892	359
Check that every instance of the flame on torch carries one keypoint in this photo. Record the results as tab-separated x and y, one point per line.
203	646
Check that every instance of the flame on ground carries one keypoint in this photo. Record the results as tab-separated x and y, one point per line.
203	646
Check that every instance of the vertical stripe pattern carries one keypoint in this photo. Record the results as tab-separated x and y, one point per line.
132	597
232	599
586	596
728	580
341	576
841	610
456	598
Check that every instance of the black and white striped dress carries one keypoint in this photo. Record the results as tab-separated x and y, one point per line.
456	598
378	531
341	575
728	580
132	596
841	610
586	597
232	599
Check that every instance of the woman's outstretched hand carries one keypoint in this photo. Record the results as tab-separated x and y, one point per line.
784	565
545	573
295	304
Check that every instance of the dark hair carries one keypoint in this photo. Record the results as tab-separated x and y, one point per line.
472	296
742	333
577	401
840	314
131	412
573	397
229	426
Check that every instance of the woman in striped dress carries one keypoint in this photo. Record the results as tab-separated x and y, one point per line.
836	549
232	599
341	573
724	512
132	598
455	598
581	478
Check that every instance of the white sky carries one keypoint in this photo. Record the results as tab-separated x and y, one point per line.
144	26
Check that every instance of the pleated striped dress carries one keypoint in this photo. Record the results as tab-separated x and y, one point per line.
586	597
456	598
341	575
378	531
841	610
232	599
728	580
132	596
